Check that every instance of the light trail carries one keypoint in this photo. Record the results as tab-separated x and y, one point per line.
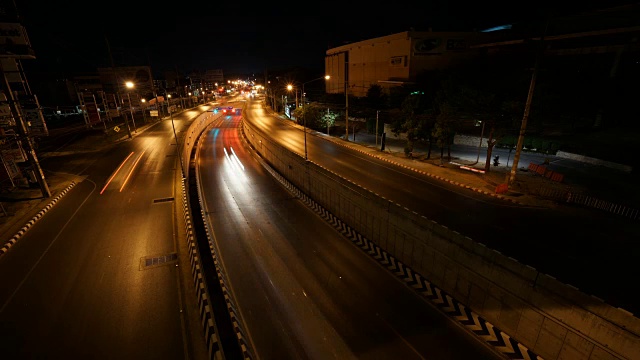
115	173
236	158
131	171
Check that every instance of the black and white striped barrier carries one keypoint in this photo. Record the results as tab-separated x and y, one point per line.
14	239
206	316
484	330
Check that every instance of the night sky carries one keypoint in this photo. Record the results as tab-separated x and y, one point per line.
71	37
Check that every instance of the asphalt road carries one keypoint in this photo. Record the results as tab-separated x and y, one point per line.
81	283
593	251
303	290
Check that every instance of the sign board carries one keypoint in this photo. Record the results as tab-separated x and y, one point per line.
18	155
89	105
6	118
153	113
153	100
14	42
10	165
35	122
427	46
112	105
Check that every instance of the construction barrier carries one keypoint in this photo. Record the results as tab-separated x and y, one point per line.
543	171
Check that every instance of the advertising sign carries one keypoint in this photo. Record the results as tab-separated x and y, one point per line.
6	118
32	114
11	167
92	116
112	105
17	154
35	122
14	42
427	46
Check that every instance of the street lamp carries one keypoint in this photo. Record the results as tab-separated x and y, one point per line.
128	84
290	87
144	115
346	110
175	135
304	118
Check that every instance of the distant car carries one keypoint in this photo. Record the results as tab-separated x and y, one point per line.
224	109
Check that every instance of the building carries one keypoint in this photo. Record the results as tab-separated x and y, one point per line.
213	77
396	59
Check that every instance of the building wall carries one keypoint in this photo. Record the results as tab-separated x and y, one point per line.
211	77
396	59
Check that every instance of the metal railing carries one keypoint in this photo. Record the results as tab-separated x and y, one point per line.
570	196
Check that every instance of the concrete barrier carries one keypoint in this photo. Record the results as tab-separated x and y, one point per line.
552	319
594	161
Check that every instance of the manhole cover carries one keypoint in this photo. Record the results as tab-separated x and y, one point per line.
156	201
155	261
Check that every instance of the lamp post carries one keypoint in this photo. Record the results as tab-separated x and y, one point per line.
126	119
377	116
130	86
144	116
175	135
304	118
346	110
290	87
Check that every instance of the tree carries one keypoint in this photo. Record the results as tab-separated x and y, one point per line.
415	122
376	99
328	120
443	128
312	115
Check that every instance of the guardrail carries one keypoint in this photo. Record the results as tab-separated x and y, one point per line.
572	197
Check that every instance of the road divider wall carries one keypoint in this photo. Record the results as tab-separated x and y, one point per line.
220	335
552	319
190	137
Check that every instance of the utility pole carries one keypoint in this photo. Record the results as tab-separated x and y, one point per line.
346	110
135	130
117	85
511	176
377	115
480	145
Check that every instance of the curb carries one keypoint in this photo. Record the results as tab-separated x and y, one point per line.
14	239
438	177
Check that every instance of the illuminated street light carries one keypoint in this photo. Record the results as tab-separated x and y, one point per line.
175	135
290	87
129	85
144	116
304	118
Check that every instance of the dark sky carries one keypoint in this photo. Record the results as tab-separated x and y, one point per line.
239	37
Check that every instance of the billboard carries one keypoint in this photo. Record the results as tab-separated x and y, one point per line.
14	42
110	104
90	108
32	115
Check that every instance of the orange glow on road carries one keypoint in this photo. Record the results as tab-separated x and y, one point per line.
131	171
115	173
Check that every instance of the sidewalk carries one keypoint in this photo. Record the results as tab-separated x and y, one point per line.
529	188
470	178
